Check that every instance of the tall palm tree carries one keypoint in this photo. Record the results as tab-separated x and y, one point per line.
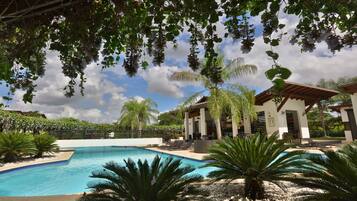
162	180
136	114
223	95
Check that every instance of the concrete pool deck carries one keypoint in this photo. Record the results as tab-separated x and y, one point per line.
61	156
182	153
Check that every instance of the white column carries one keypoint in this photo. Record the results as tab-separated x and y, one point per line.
203	125
247	124
354	105
234	128
186	125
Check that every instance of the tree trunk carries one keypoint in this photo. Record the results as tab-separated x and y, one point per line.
218	128
131	131
322	118
254	189
140	129
10	157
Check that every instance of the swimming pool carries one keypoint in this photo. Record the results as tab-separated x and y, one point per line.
72	177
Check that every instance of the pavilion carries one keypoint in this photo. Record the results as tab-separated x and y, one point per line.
349	112
288	116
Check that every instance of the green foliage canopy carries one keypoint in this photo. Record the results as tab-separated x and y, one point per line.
81	30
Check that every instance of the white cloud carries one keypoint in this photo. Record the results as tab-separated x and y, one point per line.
101	102
306	67
158	81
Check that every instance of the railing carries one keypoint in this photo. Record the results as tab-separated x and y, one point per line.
166	134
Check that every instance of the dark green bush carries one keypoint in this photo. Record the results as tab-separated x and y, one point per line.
44	143
15	145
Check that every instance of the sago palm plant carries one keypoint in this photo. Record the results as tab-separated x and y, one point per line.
44	143
15	145
255	159
159	181
222	94
335	173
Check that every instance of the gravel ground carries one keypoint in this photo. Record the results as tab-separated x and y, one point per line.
234	192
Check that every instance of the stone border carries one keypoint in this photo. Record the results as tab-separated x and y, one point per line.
187	154
58	158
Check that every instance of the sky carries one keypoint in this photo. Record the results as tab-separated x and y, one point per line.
106	90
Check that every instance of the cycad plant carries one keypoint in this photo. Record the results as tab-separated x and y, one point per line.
223	95
162	180
44	143
335	173
15	145
255	159
136	114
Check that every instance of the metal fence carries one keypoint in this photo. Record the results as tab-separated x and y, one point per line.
166	134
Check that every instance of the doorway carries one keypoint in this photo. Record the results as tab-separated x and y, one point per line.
293	124
352	122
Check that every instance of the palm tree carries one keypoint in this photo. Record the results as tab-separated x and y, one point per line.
222	95
255	159
15	145
136	114
335	173
45	143
160	181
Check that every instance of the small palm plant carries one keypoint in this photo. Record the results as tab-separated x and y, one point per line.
44	144
161	181
336	174
15	145
255	159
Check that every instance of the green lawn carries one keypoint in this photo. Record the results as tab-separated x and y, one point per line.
329	138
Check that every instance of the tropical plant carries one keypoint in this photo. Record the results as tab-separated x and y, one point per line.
137	114
44	144
335	173
122	30
160	181
15	145
255	159
223	96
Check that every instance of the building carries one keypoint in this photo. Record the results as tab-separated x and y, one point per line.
289	116
349	112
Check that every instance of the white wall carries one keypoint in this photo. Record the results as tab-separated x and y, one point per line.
344	117
276	121
109	142
354	105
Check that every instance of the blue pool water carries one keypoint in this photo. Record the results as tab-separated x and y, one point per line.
72	177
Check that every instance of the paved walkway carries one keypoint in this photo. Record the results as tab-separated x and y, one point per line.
57	157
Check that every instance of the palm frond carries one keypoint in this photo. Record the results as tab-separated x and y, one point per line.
162	180
255	159
186	76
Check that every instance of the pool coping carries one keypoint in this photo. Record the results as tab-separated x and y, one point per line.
59	159
199	157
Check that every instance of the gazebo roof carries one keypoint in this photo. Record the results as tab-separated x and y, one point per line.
350	88
337	108
310	94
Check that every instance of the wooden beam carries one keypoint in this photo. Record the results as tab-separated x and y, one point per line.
282	103
310	106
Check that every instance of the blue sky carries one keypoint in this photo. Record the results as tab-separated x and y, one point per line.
107	90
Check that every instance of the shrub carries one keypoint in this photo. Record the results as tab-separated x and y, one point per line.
15	145
44	143
336	174
255	159
160	181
